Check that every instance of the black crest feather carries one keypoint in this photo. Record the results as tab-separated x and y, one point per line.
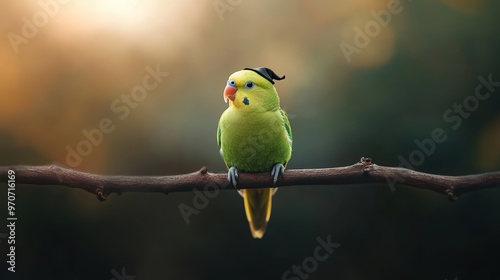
267	73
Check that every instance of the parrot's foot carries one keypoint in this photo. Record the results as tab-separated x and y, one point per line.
232	175
278	169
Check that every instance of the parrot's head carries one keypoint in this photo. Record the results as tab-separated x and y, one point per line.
252	90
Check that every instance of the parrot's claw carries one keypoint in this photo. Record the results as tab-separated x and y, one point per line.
278	169
232	175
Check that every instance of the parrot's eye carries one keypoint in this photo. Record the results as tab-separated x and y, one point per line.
231	83
249	85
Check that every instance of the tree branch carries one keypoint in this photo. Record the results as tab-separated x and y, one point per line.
363	172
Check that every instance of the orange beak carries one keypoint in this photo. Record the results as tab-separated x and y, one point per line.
229	92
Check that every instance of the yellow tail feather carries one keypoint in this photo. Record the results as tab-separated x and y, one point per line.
258	204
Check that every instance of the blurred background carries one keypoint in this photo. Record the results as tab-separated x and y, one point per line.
363	78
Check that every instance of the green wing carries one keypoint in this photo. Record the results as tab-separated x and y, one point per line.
286	122
218	135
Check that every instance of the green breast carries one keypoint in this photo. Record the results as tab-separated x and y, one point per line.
254	142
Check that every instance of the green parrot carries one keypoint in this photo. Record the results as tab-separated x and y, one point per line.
254	135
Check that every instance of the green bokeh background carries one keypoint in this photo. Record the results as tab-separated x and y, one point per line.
391	93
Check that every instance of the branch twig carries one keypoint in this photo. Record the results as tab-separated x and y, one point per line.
363	172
